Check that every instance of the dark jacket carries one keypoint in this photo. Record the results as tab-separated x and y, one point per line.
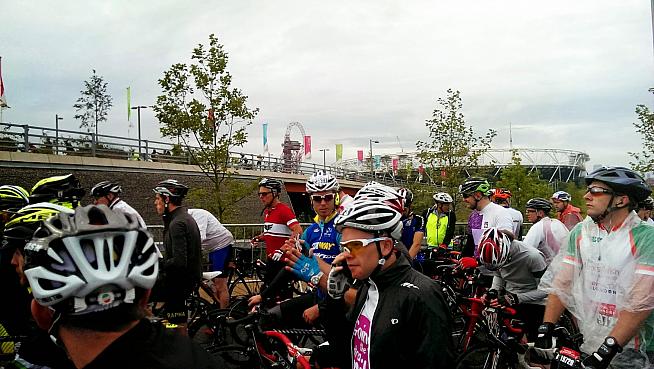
182	263
411	327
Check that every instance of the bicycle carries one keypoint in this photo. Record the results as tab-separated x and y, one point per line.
262	348
246	273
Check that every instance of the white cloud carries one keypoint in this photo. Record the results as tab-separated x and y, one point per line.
566	74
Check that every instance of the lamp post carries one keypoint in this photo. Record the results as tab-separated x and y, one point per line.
372	171
57	119
324	165
138	108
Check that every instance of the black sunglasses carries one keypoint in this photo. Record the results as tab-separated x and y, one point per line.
595	190
318	198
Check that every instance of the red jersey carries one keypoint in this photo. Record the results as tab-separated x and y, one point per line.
276	231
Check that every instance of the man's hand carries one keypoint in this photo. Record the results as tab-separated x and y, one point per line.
254	300
277	255
545	338
303	267
601	358
311	314
508	299
337	283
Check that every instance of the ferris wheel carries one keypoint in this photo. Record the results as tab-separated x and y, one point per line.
293	146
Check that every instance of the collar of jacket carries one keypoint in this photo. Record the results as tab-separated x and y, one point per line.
394	273
168	217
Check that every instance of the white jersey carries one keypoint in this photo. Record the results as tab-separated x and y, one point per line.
516	216
547	235
122	206
214	235
493	215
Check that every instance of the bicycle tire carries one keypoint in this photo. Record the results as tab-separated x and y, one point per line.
482	357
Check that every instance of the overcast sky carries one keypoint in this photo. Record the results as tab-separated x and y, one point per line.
566	74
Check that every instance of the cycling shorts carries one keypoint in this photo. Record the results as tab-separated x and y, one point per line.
220	260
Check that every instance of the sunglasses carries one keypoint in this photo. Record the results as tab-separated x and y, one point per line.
596	191
318	198
354	246
262	194
530	210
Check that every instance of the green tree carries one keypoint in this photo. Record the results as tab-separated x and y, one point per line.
523	184
93	106
644	161
199	105
453	150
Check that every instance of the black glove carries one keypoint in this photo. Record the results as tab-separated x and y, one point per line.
545	339
509	299
601	358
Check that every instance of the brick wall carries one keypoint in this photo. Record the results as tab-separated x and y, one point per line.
137	188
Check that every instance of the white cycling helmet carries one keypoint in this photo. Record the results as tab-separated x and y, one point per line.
494	248
443	198
90	261
375	191
371	216
562	196
321	181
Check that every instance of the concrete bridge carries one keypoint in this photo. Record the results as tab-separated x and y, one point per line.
139	177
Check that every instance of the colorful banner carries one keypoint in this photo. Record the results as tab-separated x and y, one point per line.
3	98
129	104
265	138
396	164
377	161
360	155
307	147
339	152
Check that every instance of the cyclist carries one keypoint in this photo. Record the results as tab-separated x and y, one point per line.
108	193
94	302
410	316
645	208
546	234
280	224
181	267
413	225
502	197
441	220
568	214
320	241
63	190
486	214
37	349
517	269
217	243
606	278
344	200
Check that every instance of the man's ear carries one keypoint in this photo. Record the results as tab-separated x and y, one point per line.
42	315
387	246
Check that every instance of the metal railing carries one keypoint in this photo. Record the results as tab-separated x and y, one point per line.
44	140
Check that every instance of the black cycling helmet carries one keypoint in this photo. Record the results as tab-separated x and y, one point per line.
475	184
171	188
647	204
106	187
272	184
621	180
58	189
539	203
12	198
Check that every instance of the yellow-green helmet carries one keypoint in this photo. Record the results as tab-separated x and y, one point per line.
64	190
20	229
12	198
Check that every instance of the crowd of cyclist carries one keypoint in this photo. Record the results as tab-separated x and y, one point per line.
80	277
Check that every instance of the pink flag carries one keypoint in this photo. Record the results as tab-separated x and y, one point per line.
307	147
360	155
421	169
396	164
3	99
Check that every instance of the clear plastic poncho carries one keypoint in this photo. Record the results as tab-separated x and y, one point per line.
599	274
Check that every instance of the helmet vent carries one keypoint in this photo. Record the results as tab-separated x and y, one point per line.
97	217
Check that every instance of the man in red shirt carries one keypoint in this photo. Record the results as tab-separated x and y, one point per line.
568	214
280	224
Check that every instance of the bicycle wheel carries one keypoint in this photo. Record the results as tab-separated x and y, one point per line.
483	357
